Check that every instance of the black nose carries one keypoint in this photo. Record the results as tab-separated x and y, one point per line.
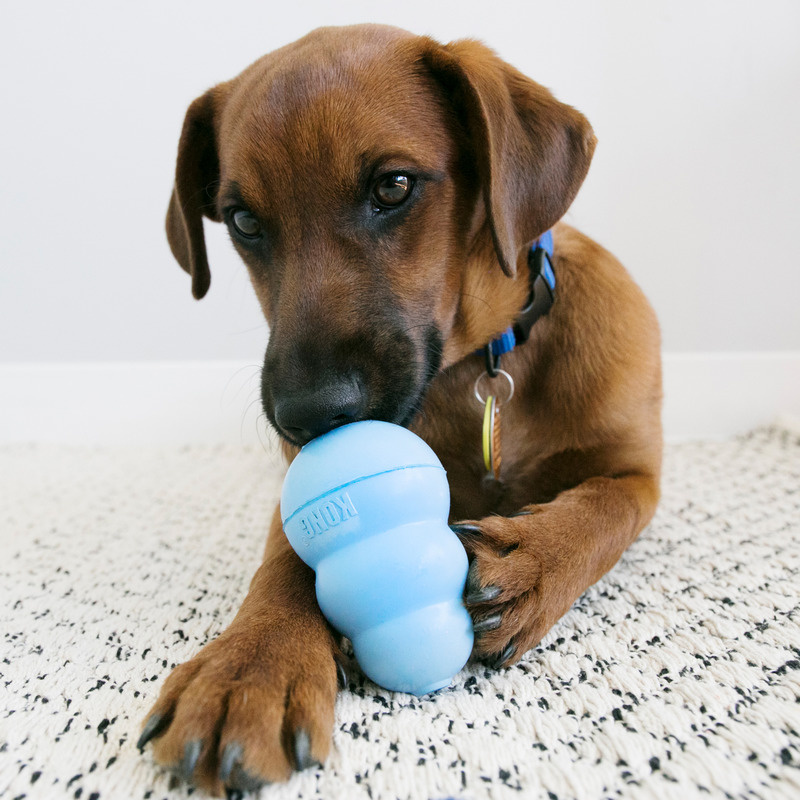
307	414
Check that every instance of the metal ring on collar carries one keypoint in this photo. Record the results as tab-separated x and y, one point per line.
482	400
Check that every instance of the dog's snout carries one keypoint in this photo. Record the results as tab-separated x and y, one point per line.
307	414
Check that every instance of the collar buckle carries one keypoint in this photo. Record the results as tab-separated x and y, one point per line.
542	294
540	300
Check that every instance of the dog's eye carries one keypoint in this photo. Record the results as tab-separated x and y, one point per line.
246	224
391	190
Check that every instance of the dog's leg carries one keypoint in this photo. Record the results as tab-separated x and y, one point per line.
527	569
258	701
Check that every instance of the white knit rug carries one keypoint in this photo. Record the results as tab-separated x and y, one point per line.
677	676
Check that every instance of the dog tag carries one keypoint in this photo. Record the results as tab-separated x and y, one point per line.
491	437
491	423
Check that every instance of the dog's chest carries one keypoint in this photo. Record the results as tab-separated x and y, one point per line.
457	437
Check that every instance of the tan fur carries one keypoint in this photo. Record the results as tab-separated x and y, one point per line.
501	161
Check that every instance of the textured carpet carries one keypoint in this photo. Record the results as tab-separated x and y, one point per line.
676	676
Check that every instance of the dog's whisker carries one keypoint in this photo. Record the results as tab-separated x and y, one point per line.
489	306
262	426
256	374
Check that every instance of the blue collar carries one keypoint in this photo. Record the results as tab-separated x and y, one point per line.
540	300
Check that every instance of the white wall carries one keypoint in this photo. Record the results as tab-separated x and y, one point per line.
694	184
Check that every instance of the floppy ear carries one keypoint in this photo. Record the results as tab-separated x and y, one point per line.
532	152
195	192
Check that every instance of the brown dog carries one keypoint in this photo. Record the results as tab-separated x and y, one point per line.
382	190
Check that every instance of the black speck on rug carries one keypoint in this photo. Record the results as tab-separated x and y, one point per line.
676	676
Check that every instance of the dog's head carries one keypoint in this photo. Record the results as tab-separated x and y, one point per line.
369	178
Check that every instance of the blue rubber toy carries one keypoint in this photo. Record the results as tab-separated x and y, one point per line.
366	507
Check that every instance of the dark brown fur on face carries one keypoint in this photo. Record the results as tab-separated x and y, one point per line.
377	313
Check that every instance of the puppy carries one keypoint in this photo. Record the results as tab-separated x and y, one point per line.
384	192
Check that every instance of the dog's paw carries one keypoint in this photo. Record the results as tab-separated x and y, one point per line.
517	586
247	710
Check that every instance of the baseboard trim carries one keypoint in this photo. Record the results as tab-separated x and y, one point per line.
132	403
707	395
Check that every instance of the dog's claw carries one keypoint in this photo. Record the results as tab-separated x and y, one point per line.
154	726
484	595
230	755
503	656
473	581
474	592
191	755
236	779
302	751
341	675
466	531
490	623
245	782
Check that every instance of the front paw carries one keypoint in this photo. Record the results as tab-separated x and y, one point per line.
248	709
513	591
